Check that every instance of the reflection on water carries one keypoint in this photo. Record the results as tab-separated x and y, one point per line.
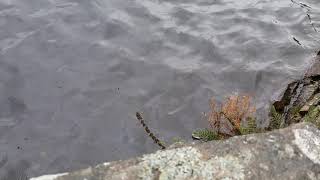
17	172
74	72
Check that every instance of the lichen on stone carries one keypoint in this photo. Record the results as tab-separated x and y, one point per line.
189	163
309	143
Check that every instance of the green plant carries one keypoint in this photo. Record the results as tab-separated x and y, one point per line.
294	114
250	127
276	119
313	116
294	111
234	110
205	135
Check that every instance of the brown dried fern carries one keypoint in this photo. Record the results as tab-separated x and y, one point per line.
236	109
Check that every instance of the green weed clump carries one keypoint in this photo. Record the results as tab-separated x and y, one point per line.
205	135
276	119
250	127
313	116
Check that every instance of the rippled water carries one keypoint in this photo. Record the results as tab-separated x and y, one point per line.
74	72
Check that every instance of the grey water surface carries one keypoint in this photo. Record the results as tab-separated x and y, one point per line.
74	72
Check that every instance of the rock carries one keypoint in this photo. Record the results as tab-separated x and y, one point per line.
290	153
300	95
314	101
315	68
296	98
307	92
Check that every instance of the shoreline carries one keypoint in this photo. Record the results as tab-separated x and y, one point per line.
203	159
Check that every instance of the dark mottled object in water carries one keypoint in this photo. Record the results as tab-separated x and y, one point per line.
150	134
296	40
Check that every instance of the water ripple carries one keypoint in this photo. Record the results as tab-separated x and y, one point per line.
74	72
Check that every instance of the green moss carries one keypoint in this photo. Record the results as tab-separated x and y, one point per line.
205	135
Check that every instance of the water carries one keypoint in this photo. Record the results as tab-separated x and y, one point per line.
74	72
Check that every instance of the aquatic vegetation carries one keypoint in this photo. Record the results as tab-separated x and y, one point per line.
205	135
149	133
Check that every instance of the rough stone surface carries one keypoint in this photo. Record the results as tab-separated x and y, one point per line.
290	153
315	68
300	95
